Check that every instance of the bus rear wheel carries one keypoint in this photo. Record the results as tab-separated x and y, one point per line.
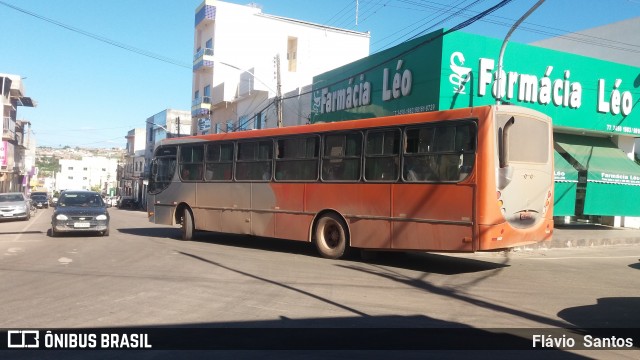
331	236
187	225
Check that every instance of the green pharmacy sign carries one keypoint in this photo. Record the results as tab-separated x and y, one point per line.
457	70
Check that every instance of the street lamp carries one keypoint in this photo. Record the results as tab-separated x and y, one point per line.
504	47
160	126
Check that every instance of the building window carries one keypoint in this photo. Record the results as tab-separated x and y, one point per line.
207	90
292	53
70	168
243	121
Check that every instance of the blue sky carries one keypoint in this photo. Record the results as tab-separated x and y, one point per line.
90	93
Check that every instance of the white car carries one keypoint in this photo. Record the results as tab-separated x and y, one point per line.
14	206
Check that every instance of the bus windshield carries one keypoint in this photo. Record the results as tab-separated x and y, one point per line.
163	168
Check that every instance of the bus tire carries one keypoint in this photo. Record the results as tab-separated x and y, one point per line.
187	225
331	236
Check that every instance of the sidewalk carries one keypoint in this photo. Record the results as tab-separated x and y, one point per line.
584	235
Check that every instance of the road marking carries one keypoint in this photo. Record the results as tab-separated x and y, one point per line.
14	251
65	261
585	257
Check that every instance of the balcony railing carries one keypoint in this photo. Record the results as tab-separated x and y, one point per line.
201	100
8	129
206	13
202	53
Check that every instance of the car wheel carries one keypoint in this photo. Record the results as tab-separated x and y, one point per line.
53	232
106	232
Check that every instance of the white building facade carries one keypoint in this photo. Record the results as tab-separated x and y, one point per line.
245	60
90	173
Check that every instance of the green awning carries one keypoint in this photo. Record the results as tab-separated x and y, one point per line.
563	171
566	183
613	180
601	158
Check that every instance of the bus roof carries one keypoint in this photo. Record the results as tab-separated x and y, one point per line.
480	111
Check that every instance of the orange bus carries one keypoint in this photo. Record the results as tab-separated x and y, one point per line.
463	180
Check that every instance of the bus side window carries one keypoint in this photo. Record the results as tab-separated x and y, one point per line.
219	162
297	158
419	162
466	148
191	158
341	157
253	160
382	155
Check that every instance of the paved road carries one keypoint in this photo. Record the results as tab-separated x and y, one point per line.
141	275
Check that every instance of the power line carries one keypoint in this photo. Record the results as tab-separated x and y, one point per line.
100	38
422	43
346	8
427	21
495	19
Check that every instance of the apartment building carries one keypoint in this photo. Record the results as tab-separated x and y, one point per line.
246	60
17	147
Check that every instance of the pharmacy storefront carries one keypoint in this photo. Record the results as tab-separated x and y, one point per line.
593	104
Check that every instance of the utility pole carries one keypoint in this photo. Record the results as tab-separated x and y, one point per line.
178	120
278	92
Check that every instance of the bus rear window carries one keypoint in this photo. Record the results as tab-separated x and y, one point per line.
528	140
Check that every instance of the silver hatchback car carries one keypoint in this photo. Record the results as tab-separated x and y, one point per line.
14	206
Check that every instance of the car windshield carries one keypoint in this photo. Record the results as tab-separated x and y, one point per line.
39	197
11	197
84	200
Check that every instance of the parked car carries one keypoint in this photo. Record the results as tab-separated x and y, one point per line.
80	211
127	203
14	206
40	201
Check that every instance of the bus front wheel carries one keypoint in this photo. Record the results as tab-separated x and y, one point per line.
331	236
187	225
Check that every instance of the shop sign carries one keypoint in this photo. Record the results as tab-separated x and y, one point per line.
3	153
576	91
460	70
